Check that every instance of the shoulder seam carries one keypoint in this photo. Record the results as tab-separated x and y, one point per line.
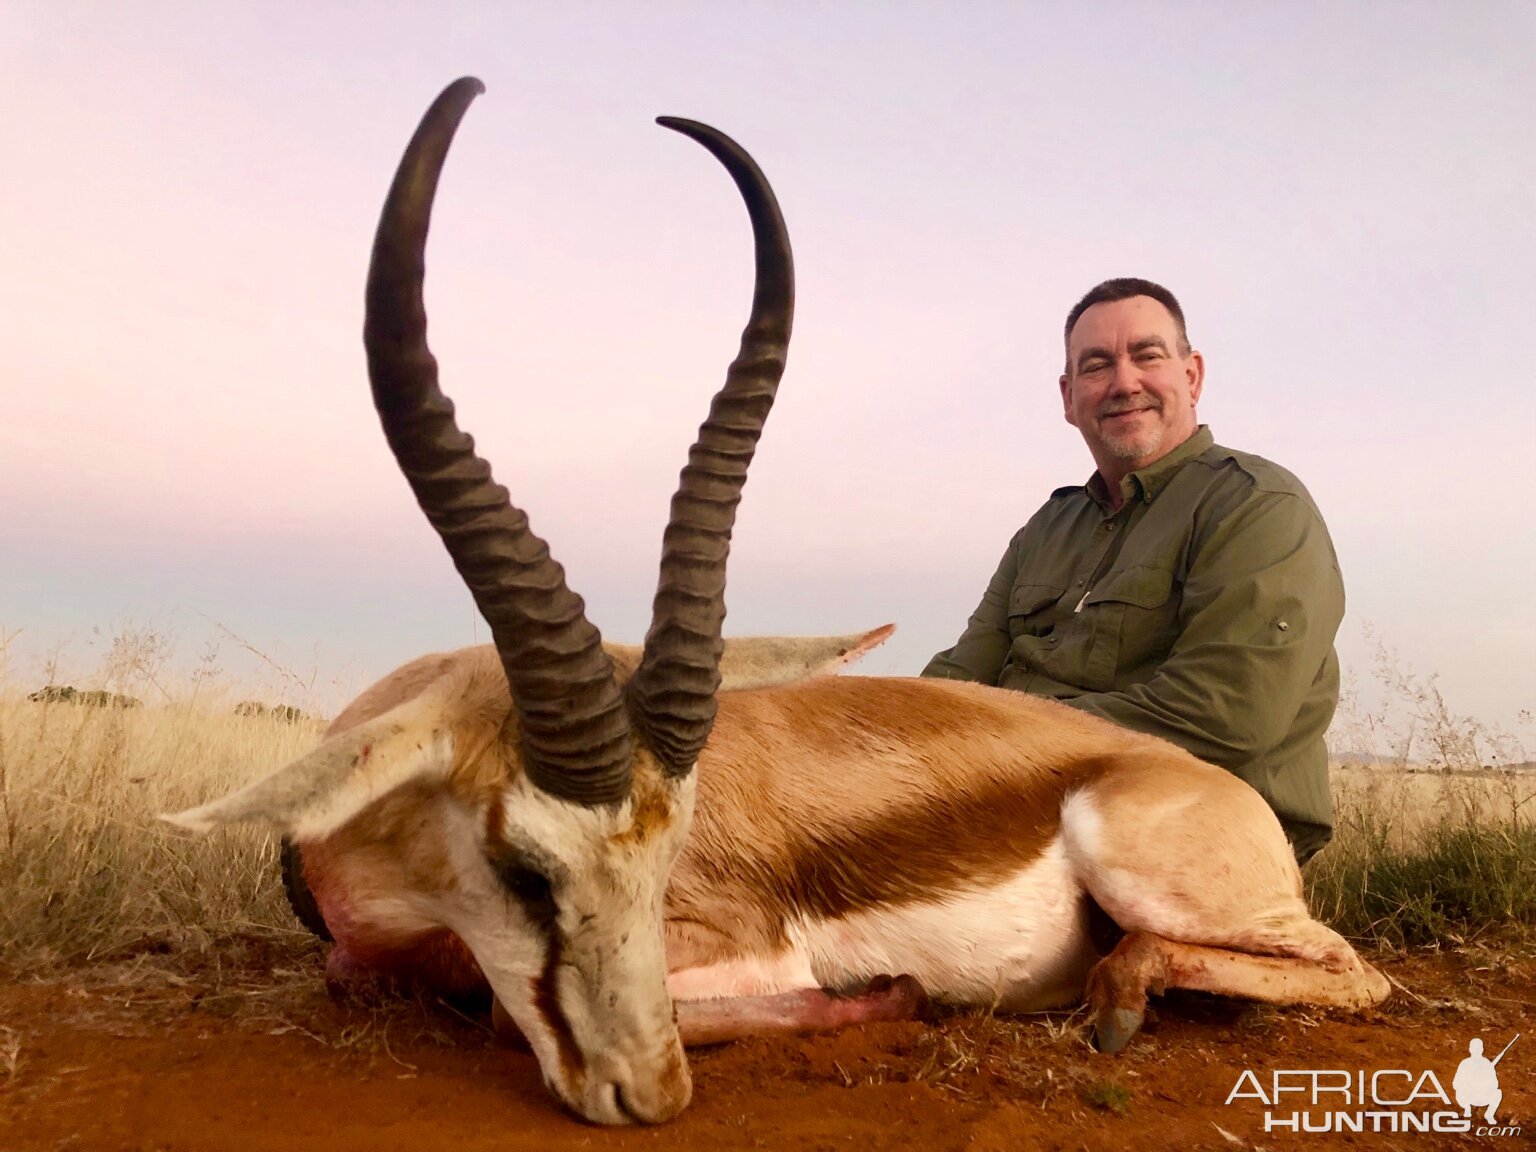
1267	476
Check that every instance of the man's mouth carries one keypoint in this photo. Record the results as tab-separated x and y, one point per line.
1124	412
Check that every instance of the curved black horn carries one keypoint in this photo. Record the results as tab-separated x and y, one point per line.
672	695
575	734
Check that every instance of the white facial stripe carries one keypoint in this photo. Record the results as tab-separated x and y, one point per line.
592	1000
509	949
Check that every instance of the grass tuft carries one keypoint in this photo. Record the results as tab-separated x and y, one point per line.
1107	1095
1453	881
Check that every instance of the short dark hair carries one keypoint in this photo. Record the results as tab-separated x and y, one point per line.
1123	288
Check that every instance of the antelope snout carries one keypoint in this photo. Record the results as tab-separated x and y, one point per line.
638	1091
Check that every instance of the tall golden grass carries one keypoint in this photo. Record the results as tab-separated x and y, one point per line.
86	869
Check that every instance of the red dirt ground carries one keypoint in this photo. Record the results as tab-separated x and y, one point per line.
252	1054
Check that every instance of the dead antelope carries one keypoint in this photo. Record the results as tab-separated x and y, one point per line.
521	814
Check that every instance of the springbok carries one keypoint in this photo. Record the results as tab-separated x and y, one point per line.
520	814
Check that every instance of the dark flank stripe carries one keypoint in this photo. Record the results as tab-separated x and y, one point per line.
916	852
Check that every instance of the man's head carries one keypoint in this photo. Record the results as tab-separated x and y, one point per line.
1131	380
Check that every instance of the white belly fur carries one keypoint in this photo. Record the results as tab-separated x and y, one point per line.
1018	946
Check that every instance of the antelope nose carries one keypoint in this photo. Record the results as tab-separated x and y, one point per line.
652	1099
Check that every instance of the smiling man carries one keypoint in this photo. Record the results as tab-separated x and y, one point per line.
1187	590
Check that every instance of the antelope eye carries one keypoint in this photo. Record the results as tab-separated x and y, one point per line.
528	886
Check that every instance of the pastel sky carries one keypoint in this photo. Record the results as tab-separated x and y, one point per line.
1343	196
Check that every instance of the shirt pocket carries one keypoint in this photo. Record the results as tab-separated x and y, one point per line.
1029	608
1134	615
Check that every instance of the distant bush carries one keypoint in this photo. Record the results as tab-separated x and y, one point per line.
274	712
95	698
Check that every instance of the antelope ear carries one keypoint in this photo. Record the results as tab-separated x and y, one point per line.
321	791
763	661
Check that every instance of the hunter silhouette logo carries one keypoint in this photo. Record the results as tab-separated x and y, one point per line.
1385	1100
1477	1081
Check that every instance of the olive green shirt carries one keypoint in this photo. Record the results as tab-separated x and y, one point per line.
1202	611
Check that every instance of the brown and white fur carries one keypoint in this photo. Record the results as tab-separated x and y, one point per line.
522	813
842	829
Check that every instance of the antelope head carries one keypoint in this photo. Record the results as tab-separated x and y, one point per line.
542	812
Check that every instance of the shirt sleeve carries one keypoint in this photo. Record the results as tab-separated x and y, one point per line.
983	647
1262	603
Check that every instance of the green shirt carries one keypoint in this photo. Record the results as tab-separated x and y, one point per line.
1202	611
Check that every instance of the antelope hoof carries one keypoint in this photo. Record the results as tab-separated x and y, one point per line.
1115	1027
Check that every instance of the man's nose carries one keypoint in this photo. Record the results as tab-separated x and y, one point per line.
1124	375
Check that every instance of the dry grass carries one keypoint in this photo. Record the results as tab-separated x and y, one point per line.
1429	858
1405	804
10	1054
1435	822
87	871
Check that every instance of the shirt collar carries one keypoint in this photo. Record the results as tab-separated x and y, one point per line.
1146	483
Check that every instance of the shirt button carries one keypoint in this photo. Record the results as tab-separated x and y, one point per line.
1283	626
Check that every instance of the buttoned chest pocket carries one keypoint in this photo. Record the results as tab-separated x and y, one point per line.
1030	609
1135	617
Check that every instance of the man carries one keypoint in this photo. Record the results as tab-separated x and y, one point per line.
1187	590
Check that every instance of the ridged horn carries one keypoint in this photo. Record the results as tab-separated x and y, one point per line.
574	732
672	695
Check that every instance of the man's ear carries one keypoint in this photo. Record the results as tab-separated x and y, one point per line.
1066	400
1197	377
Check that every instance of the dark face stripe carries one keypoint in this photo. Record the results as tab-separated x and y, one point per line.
546	1002
543	989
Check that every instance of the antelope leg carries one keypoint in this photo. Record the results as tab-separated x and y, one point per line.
803	1010
782	1014
1144	962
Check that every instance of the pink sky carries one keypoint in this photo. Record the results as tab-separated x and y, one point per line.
1341	199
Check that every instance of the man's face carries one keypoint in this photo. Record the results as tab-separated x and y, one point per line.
1128	389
